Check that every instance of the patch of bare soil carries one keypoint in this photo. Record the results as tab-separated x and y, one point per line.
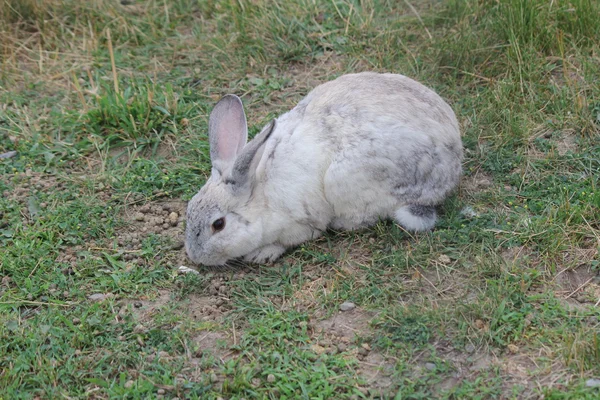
475	183
346	326
377	371
579	285
30	184
514	255
161	218
439	282
521	257
566	144
349	332
215	343
206	308
519	368
144	309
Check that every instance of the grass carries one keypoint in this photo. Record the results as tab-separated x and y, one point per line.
106	104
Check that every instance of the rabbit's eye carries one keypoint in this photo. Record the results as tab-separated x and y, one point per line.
218	225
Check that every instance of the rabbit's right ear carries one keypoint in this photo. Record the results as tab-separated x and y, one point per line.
227	132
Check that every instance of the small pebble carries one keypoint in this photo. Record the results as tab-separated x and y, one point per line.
173	218
8	154
513	348
270	378
430	366
213	378
469	348
444	259
160	391
347	306
139	217
592	383
76	321
363	352
99	296
318	349
129	384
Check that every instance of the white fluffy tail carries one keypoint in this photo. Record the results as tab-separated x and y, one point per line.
416	218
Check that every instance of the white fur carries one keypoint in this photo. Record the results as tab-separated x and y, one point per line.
356	149
412	222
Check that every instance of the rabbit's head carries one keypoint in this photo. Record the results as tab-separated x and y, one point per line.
222	221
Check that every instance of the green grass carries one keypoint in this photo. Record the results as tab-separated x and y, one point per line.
106	104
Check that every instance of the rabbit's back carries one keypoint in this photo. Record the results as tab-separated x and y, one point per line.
389	141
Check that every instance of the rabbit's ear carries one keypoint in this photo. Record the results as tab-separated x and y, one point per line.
244	167
227	131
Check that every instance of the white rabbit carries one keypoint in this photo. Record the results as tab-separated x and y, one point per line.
361	147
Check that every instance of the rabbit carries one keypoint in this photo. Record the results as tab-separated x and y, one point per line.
357	149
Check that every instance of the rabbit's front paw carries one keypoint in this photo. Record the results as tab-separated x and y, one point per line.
265	255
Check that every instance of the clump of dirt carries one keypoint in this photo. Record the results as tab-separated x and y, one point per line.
160	218
347	325
144	309
207	308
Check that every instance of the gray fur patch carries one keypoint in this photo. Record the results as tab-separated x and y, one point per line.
422	211
307	209
271	155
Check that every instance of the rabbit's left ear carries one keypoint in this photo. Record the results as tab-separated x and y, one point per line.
227	132
244	168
